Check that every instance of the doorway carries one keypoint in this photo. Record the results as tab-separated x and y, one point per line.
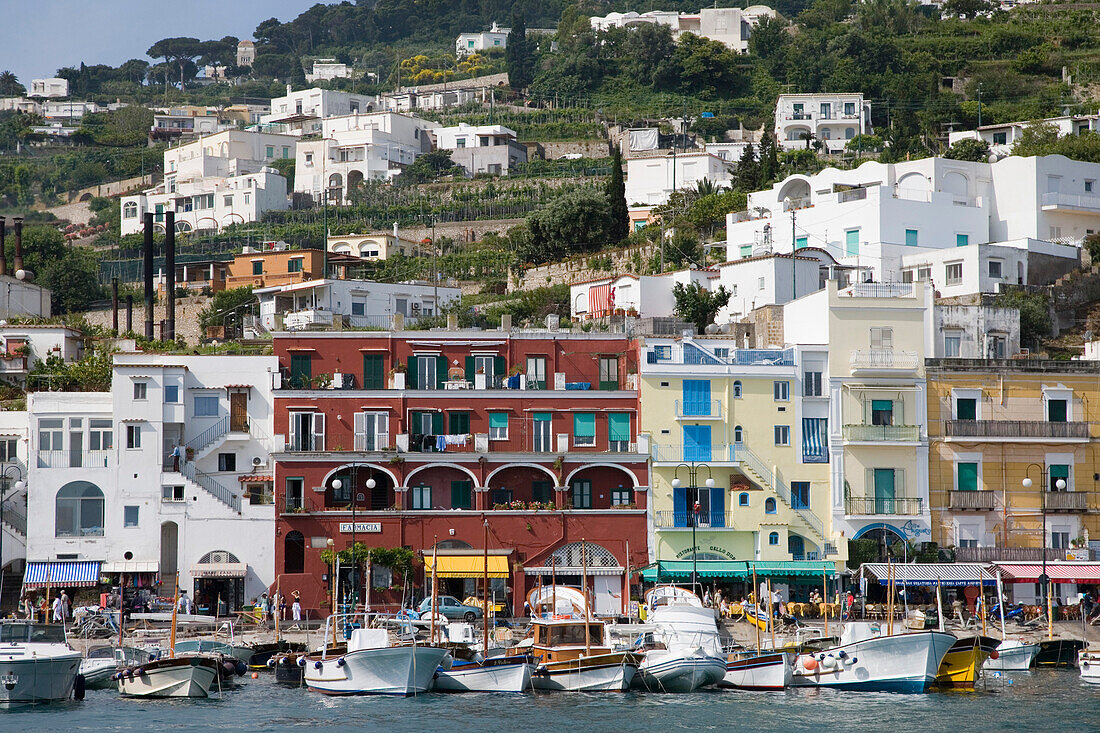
169	553
238	412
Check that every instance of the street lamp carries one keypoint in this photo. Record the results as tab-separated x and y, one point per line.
19	486
693	487
1060	484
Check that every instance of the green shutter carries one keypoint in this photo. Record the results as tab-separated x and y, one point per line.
373	372
458	423
618	426
460	495
410	373
499	368
301	371
440	371
584	424
498	420
968	477
437	423
541	416
470	370
966	408
887	405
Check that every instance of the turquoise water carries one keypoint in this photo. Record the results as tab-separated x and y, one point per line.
1050	700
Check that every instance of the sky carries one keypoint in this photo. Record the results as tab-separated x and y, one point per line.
38	37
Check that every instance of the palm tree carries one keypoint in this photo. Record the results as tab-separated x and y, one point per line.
9	85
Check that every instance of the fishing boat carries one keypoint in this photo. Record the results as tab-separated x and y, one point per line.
371	665
870	660
99	666
683	652
1088	662
1058	652
962	665
208	646
37	665
486	674
261	653
190	676
757	671
1012	655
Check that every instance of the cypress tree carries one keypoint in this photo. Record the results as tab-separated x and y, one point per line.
616	198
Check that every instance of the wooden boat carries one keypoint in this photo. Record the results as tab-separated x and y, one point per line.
962	665
1088	662
757	671
37	665
189	676
1012	655
571	655
99	666
1058	652
492	674
371	665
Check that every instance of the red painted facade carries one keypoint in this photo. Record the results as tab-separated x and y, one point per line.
547	467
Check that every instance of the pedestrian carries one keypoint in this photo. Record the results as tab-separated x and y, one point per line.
526	609
184	606
282	607
296	606
57	617
28	607
176	458
66	607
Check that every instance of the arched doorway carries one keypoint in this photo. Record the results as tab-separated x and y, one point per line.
294	553
877	542
169	552
600	486
219	582
604	582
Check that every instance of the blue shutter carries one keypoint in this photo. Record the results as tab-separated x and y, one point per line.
679	507
697	443
851	242
718	507
696	394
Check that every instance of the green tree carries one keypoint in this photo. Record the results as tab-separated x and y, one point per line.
747	175
42	245
181	52
577	221
769	159
428	167
519	55
699	306
616	199
1035	324
73	280
224	302
10	86
974	150
1038	138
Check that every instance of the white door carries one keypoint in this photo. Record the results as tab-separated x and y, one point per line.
609	594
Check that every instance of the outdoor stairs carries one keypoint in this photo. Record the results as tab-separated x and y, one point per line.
758	471
208	438
210	485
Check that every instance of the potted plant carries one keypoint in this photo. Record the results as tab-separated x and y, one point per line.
190	453
397	375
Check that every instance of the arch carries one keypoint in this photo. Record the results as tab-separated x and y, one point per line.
79	510
738	434
796	132
335	181
743	499
737	388
544	469
849	133
914	182
381	469
705	556
341	248
294	552
183	226
218	556
212	220
796	545
463	469
169	549
86	197
575	471
158	228
355	179
129	210
879	526
569	556
773	538
955	182
795	187
454	545
228	219
769	505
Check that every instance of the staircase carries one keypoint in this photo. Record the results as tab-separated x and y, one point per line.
210	485
761	474
15	522
208	437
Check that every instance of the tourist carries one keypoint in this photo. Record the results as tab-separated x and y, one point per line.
176	459
66	607
57	617
184	605
296	606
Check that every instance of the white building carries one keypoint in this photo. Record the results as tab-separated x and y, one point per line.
975	332
246	53
22	299
436	99
69	110
328	69
491	149
105	488
301	112
731	26
650	181
179	124
770	279
494	38
14	444
354	303
1003	136
648	296
24	345
358	147
375	246
49	88
984	268
831	119
215	181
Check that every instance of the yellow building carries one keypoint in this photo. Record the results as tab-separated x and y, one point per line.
993	424
738	439
376	246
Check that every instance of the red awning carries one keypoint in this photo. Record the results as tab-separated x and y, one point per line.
1058	572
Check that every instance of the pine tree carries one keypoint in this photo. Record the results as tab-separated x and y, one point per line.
769	159
616	198
747	175
519	55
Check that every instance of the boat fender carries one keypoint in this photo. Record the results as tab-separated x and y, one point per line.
340	662
241	669
821	658
270	663
139	672
828	662
854	660
79	685
809	663
318	665
301	661
842	654
994	654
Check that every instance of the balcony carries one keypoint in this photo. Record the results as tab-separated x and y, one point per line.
869	506
882	433
308	319
883	360
696	410
685	520
717	453
74	458
981	501
1016	429
1066	501
1057	201
879	290
1007	554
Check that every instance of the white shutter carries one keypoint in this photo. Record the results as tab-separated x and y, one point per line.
899	482
318	431
382	430
360	419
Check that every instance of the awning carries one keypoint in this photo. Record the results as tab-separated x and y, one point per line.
253	478
737	569
572	570
130	566
78	573
792	569
467	566
928	574
1058	572
219	570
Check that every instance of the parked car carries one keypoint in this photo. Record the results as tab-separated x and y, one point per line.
450	607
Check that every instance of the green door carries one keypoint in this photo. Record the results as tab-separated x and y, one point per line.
301	371
461	495
373	371
884	491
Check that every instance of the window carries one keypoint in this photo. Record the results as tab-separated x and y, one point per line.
1000	138
228	201
584	429
171	493
206	406
420	497
130	516
769	505
620	496
9	448
907	276
140	390
295	265
307	431
954	273
541	433
924	273
458	423
498	426
1057	411
50	434
270	151
998	346
536	371
309	158
247	198
782	435
301	371
286	151
541	492
737	389
800	494
1088	186
582	494
760	284
800	242
372	431
1059	472
738	434
696	396
849	109
257	266
427	372
129	210
79	510
961	240
172	393
462	495
966	408
882	412
995	269
811	384
609	372
374	373
100	434
851	242
618	432
781	391
1059	539
662	353
227	461
815	440
882	338
295	492
952	344
743	499
133	436
967	476
911	239
773	538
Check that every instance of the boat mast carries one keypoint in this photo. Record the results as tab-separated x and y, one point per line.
587	610
121	605
485	594
939	600
175	610
889	599
756	610
279	599
435	542
1001	605
825	597
771	617
553	586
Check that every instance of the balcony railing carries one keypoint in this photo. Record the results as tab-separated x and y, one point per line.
971	500
1066	501
1058	200
702	408
879	290
1015	429
867	505
1007	554
74	459
884	359
702	520
719	452
372	441
294	503
870	433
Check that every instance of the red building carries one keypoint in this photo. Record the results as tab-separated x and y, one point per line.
426	435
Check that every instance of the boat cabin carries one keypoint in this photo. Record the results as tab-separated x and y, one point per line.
19	632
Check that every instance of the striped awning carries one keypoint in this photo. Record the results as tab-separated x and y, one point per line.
219	570
1058	572
737	569
813	436
76	573
561	570
601	300
930	574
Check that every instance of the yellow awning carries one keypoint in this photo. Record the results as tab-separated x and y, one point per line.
468	566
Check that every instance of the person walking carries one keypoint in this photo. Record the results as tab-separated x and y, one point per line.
184	606
296	606
66	607
57	618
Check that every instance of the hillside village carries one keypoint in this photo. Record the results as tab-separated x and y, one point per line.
271	302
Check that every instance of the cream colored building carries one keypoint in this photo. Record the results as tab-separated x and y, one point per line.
375	246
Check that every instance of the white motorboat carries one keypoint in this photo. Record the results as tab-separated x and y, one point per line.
99	667
1088	662
684	651
189	676
37	665
757	671
371	666
1012	655
866	659
495	674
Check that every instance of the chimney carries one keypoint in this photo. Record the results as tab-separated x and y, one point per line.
114	305
17	265
452	322
170	277
288	90
129	313
169	223
3	255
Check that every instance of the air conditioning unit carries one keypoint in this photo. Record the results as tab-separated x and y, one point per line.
259	462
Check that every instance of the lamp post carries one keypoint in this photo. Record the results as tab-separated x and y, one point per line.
1060	484
19	486
693	487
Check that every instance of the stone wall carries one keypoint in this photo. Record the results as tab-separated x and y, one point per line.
187	317
586	148
577	269
460	231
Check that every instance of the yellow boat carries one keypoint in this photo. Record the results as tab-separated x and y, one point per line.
963	662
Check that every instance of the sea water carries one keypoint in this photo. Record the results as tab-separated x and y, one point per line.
1048	700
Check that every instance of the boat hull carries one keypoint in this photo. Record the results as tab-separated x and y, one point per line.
99	674
494	676
170	678
1012	655
900	663
1089	664
663	671
757	672
28	680
962	664
397	670
600	673
1058	653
